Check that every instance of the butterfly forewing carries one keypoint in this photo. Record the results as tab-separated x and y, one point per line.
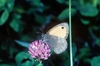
60	30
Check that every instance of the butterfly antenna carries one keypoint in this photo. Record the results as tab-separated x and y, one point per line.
40	32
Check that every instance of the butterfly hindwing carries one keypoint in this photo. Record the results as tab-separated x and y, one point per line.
57	44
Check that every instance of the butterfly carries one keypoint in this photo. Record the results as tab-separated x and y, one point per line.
56	37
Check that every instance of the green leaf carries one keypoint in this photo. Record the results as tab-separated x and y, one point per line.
22	56
95	61
15	25
36	3
88	10
22	43
98	41
85	22
84	52
65	13
10	5
74	49
95	27
27	63
12	50
2	3
4	17
87	60
61	1
40	64
19	10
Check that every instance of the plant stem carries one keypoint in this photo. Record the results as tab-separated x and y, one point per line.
70	34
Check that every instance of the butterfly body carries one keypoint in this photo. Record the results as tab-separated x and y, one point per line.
56	38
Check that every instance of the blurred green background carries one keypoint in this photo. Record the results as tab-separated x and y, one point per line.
20	21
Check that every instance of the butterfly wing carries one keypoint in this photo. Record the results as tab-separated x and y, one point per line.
57	44
56	37
60	30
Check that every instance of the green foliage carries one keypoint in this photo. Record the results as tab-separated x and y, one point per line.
4	17
74	49
64	14
15	25
40	64
2	3
85	22
98	41
95	61
36	3
88	10
23	59
61	1
22	43
10	4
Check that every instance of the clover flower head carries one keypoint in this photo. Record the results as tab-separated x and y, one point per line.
39	50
